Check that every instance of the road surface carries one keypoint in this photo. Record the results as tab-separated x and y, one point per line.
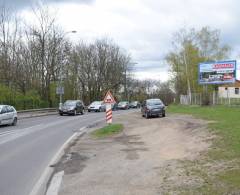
27	149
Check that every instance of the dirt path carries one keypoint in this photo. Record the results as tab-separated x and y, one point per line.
145	159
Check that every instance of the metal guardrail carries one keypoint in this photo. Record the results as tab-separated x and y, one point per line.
38	110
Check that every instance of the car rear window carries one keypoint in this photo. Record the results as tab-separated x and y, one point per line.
96	103
72	103
154	102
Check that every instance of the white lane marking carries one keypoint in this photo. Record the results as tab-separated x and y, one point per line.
14	134
40	185
55	183
6	132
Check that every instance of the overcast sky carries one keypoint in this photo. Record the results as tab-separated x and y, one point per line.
143	27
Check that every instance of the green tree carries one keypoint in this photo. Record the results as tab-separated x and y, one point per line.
190	47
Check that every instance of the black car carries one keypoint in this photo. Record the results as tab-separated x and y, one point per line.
153	107
72	107
135	104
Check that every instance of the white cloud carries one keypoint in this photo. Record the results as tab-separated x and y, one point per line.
145	27
156	75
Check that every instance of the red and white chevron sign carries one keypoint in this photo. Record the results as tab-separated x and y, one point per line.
109	113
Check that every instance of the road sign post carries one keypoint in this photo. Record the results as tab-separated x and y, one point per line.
108	113
109	100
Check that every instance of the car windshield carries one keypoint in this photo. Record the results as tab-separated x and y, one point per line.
1	108
154	102
122	103
96	103
72	103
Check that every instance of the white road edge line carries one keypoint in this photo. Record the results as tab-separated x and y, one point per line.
55	183
40	187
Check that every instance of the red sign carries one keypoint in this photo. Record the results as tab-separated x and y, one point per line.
221	66
109	99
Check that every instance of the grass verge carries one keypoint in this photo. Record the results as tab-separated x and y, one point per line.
226	124
108	130
225	151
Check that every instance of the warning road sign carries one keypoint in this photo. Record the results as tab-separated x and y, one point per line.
109	99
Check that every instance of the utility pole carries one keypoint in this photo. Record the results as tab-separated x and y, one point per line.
60	88
125	85
126	95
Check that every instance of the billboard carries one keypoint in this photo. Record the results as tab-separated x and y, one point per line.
220	72
238	70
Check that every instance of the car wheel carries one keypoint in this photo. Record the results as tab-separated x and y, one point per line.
14	122
163	114
60	114
146	115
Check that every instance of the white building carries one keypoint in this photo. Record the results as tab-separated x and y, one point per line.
229	91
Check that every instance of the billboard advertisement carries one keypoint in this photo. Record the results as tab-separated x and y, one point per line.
238	70
220	72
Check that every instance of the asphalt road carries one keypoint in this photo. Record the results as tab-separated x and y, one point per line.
26	149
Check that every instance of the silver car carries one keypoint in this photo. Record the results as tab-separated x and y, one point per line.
123	105
97	106
8	115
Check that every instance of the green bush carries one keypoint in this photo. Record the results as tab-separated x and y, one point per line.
31	100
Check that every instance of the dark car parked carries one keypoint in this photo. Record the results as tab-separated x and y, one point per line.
153	107
135	104
72	107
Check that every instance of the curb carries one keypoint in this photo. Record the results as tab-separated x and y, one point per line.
40	186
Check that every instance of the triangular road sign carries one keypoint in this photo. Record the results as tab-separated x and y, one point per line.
109	99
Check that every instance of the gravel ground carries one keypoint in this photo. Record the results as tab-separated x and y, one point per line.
145	159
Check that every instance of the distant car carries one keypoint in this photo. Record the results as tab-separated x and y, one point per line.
97	106
153	107
8	115
72	107
124	105
135	104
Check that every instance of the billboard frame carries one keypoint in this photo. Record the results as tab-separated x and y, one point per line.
217	82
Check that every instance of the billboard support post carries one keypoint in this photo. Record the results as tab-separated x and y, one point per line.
228	97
